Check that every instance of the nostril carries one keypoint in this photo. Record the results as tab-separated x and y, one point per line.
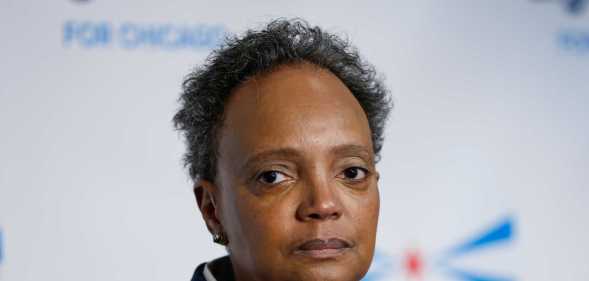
315	216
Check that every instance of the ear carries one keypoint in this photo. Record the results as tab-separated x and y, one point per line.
205	191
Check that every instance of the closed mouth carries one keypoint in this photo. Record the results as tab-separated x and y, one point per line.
323	248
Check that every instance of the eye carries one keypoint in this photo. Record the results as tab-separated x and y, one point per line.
271	177
355	173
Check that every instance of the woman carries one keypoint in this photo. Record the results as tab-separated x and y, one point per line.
283	128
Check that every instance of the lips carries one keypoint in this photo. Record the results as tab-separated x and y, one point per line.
323	248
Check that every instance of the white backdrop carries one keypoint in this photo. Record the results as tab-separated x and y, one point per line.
484	170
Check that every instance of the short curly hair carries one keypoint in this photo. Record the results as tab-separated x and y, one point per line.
281	42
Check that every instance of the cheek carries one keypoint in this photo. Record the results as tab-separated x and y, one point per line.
376	204
264	224
364	206
364	211
373	208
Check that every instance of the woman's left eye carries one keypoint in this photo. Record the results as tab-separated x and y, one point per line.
355	173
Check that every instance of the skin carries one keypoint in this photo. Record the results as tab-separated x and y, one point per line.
295	163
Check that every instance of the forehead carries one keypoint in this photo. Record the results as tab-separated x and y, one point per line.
300	107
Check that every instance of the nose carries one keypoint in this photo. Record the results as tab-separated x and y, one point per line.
320	201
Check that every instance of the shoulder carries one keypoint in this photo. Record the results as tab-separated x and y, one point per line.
216	270
198	273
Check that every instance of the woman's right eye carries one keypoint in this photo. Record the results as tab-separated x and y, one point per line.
271	177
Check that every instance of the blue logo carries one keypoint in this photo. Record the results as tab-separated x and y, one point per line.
132	35
573	41
576	41
574	7
412	263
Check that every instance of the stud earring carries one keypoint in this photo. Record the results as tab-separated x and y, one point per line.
220	238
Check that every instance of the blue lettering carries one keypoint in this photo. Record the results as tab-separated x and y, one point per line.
130	35
205	36
86	34
167	36
174	37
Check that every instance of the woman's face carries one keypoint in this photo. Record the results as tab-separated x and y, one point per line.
296	188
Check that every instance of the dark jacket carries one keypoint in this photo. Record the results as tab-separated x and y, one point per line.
221	269
198	273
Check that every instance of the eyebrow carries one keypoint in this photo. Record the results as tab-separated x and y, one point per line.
272	153
287	152
353	150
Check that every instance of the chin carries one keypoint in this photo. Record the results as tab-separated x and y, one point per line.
330	273
330	269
